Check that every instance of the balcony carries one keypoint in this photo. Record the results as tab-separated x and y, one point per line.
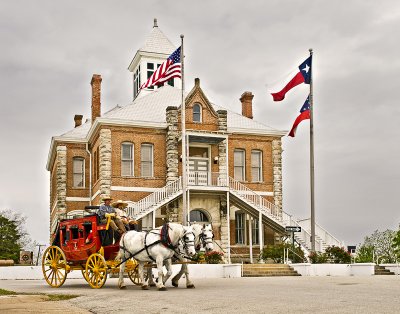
207	179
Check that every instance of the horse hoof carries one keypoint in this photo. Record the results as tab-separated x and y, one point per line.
145	287
190	287
162	289
122	287
152	285
175	284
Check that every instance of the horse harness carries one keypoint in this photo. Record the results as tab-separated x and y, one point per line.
164	240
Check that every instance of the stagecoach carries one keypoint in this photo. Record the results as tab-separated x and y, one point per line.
80	242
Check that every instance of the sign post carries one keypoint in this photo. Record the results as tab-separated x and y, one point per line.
293	229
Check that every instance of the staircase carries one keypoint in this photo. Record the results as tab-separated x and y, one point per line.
247	199
155	200
268	270
381	270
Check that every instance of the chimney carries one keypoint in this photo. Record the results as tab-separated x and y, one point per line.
78	120
96	89
247	105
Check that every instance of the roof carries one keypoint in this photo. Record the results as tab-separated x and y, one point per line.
157	42
152	108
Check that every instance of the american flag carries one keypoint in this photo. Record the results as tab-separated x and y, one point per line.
169	69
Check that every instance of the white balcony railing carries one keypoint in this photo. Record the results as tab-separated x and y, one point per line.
205	178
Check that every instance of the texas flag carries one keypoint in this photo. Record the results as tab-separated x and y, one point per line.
302	75
304	115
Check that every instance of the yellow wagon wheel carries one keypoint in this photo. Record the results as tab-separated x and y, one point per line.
96	271
133	272
83	271
134	275
54	266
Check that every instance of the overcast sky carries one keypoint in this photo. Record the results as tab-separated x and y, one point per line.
50	49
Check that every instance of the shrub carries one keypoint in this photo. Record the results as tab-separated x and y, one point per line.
333	254
275	252
199	258
214	257
318	258
338	255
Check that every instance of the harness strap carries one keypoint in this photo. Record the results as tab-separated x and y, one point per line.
147	247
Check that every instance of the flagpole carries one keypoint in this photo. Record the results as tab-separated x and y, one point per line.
183	124
312	160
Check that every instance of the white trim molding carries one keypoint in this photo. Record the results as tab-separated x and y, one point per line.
77	199
133	188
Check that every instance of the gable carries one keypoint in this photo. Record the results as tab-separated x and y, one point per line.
200	114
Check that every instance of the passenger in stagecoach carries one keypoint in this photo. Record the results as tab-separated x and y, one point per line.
89	238
120	209
106	210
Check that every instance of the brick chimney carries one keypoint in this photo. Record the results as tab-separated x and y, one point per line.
96	93
78	120
247	105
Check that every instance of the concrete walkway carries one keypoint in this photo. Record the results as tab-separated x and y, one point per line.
375	294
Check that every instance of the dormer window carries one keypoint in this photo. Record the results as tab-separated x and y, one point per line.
196	113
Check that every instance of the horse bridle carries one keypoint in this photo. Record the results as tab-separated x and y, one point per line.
204	239
186	243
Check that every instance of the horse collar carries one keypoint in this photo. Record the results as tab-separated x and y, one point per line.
164	237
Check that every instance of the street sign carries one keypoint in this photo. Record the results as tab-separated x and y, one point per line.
293	229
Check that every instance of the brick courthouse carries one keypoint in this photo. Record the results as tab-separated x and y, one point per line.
133	152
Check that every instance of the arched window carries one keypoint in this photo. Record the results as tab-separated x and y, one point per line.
196	113
78	172
198	215
126	159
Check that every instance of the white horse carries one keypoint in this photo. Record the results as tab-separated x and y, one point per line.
203	241
157	246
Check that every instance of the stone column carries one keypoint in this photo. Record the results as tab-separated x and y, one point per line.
277	172
172	212
172	143
222	162
61	177
224	232
105	162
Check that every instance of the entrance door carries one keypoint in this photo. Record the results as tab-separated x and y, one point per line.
198	171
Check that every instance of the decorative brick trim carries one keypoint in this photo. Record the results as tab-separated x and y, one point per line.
105	162
172	143
61	170
277	171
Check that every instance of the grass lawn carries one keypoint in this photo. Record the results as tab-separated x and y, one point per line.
51	297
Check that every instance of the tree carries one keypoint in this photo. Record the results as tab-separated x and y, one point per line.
396	244
13	236
382	244
365	254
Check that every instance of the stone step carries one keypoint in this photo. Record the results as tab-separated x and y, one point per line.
266	270
381	270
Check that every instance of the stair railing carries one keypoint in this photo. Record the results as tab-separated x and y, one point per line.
150	202
266	207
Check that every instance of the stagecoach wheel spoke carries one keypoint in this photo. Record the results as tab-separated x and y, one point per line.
96	270
54	266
